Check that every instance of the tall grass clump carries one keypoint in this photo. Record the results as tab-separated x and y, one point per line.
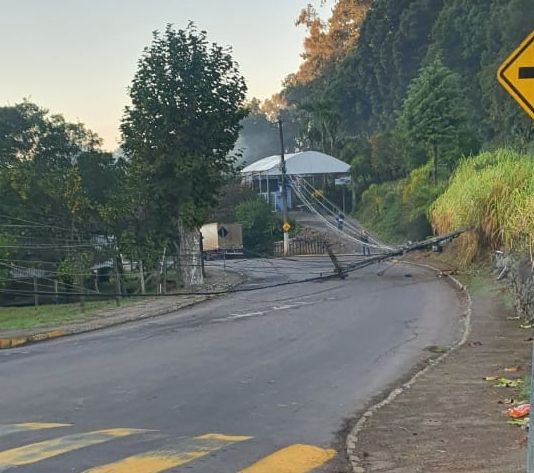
398	211
492	193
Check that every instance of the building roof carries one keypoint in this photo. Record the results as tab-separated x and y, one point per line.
303	164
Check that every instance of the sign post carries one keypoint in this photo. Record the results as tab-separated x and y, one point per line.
284	188
516	75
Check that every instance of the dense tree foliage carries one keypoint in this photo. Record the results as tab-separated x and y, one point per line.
258	223
57	192
328	42
433	117
66	206
365	88
416	82
54	171
187	102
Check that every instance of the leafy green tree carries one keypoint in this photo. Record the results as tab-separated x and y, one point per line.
259	226
187	101
40	166
233	193
321	124
328	41
433	114
55	183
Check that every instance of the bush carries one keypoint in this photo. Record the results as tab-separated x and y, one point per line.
493	194
398	210
259	225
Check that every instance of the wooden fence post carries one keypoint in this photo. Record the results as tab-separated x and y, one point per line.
35	290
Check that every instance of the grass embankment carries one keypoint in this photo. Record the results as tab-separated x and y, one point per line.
397	211
493	194
18	318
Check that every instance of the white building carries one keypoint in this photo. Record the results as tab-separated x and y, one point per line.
318	167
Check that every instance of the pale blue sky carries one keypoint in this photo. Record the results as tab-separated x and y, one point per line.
77	57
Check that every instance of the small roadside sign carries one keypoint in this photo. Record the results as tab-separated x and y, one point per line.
286	227
516	75
343	181
223	232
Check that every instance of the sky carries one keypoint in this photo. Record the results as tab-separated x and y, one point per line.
77	57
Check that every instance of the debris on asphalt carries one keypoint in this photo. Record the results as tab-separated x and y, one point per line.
504	382
436	349
519	412
506	402
523	423
509	383
513	369
489	438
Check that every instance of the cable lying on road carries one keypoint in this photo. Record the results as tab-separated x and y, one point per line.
370	260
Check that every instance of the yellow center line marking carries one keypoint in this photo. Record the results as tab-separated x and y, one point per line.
293	459
14	428
36	452
160	460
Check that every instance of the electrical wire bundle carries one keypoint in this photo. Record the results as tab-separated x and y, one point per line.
318	204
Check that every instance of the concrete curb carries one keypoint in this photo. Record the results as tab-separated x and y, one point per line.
14	342
352	438
38	337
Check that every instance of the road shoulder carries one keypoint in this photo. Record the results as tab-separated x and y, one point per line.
450	418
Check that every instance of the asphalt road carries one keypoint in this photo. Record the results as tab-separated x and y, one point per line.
264	370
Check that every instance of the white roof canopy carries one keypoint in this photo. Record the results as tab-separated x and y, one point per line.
303	164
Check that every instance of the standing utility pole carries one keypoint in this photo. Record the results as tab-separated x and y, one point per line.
284	189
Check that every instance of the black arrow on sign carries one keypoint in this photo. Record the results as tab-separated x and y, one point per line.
526	72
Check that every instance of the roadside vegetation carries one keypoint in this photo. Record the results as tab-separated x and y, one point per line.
398	210
19	318
492	193
403	90
405	95
76	217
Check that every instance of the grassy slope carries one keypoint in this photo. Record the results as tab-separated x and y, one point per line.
493	194
17	318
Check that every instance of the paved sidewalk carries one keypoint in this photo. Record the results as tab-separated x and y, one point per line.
451	420
217	280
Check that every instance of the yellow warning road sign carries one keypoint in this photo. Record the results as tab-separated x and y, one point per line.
286	227
516	75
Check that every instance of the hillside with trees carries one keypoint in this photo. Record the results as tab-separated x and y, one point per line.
411	82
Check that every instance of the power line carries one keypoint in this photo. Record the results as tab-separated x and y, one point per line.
34	223
333	227
299	190
348	269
